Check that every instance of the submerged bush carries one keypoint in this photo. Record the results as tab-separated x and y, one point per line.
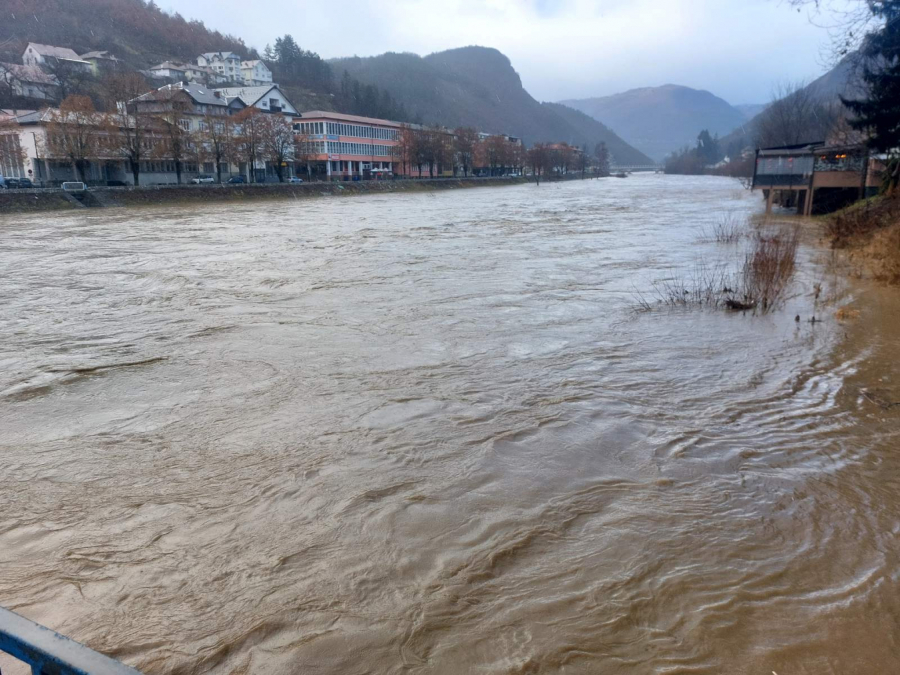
770	265
756	283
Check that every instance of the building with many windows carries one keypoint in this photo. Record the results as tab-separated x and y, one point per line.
348	145
255	73
226	64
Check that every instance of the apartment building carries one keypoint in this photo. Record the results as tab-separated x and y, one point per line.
226	64
255	73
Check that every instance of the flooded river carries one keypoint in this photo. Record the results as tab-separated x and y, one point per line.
429	433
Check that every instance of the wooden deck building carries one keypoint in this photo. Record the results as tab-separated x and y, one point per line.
816	177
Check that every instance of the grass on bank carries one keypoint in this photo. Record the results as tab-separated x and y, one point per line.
870	231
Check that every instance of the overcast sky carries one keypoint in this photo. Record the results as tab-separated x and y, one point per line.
562	49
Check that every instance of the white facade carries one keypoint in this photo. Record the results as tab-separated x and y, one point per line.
226	64
255	73
168	69
269	99
38	55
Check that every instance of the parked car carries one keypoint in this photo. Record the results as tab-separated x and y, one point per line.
18	183
116	183
294	179
203	179
237	179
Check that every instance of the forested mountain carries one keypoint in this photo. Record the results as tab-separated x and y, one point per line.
137	32
478	87
660	120
802	113
751	110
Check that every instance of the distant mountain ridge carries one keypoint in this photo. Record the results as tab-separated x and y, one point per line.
478	87
661	120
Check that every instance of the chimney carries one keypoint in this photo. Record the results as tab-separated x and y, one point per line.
217	94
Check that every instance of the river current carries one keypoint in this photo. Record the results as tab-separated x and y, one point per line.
431	433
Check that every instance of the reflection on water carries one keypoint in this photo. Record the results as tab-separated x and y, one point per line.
428	433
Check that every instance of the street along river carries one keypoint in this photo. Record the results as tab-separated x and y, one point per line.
430	433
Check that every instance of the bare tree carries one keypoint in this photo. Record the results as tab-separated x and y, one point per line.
130	125
439	150
175	127
72	133
217	138
12	155
539	158
71	77
848	22
304	151
601	159
465	140
796	115
276	142
249	138
406	147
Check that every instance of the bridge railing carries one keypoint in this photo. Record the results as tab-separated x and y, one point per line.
637	167
49	653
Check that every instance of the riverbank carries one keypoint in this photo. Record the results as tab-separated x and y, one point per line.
869	233
30	201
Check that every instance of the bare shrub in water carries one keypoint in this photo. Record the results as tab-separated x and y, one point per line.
770	265
759	284
731	228
704	286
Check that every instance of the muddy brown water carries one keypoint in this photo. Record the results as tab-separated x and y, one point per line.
428	433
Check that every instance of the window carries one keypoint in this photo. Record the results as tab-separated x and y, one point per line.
185	124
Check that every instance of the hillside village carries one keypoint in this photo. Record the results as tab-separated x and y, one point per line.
222	118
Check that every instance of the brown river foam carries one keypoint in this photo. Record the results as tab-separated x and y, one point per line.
428	433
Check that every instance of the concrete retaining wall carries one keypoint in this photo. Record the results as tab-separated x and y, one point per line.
24	201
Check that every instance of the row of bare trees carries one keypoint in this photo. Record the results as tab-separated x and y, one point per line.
560	159
79	133
435	150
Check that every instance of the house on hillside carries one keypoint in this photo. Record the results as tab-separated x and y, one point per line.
47	55
170	69
27	82
255	73
268	99
174	70
101	61
226	64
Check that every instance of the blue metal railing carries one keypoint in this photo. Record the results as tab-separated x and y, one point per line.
49	653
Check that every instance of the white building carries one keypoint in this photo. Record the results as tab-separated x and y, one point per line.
226	64
177	71
28	82
269	99
41	55
255	73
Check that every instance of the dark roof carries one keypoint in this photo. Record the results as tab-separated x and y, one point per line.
792	149
198	92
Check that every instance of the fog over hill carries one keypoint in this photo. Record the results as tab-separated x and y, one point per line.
660	120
